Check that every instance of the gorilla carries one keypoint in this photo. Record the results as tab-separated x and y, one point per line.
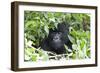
56	39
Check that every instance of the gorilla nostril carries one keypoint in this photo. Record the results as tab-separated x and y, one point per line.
56	38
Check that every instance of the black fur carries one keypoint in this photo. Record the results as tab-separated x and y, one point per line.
56	39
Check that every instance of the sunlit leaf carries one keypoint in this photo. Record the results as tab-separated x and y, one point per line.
27	57
71	39
46	29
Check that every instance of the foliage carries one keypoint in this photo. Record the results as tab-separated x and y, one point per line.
80	44
36	28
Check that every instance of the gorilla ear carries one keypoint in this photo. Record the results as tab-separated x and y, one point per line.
52	30
64	26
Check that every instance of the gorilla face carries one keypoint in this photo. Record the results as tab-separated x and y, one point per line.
56	40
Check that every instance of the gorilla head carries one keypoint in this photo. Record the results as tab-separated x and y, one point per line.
55	39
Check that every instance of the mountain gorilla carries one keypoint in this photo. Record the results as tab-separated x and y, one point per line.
56	39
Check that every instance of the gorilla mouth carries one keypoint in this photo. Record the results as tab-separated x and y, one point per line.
57	44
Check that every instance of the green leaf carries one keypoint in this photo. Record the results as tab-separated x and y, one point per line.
52	19
88	52
82	43
34	57
67	49
81	55
46	29
27	52
71	39
78	42
29	24
56	24
73	56
45	57
27	57
74	46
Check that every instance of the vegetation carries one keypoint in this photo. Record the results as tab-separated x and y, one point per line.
36	28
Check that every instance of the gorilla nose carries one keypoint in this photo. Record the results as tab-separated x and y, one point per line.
56	38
